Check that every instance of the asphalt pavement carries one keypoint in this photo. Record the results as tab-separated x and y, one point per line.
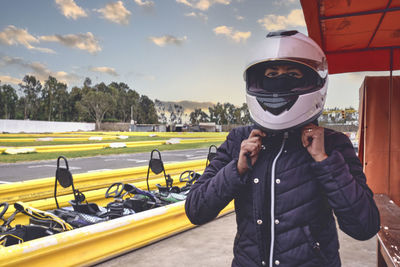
211	245
15	172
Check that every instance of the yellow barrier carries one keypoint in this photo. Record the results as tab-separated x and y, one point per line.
95	243
170	134
55	139
84	147
38	135
44	188
86	134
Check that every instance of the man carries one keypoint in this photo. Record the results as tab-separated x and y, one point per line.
286	174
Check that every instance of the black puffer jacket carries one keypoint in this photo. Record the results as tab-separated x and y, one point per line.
293	217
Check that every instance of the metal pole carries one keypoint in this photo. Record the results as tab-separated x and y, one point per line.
131	113
390	117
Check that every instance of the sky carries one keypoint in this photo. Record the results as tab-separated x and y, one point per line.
170	50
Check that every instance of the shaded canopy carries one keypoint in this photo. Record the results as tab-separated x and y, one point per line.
356	35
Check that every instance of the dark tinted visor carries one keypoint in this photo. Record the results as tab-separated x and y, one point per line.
286	83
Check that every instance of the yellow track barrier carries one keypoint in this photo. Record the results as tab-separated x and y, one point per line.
167	134
55	139
95	243
40	135
84	147
87	134
44	188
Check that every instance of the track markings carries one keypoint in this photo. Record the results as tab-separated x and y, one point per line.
137	160
51	166
196	157
100	170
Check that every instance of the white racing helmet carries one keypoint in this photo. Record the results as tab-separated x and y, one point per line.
283	106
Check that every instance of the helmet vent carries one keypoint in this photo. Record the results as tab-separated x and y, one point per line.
276	105
282	33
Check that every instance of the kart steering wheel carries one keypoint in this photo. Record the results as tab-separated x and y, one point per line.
5	204
188	178
115	190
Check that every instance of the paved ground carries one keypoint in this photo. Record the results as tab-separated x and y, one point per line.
211	245
14	172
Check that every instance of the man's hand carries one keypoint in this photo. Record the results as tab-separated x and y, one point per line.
250	147
312	138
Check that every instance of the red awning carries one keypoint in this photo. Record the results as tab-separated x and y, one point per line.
356	35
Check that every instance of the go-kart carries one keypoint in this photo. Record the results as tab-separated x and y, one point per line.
127	199
49	224
169	193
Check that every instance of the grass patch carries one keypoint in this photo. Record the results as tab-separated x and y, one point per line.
50	143
90	153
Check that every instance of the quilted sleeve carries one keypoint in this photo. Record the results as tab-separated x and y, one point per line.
344	183
218	185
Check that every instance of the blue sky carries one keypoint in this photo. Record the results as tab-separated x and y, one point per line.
169	50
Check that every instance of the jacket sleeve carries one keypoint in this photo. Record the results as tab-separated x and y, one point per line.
344	183
217	186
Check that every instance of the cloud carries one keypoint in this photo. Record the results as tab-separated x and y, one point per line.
82	41
70	9
203	4
167	39
9	79
229	32
238	17
285	3
145	4
107	70
275	23
38	69
185	2
199	15
12	35
116	12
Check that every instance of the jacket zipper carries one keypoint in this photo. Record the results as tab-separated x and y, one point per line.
271	247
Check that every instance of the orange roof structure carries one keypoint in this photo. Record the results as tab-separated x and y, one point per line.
356	35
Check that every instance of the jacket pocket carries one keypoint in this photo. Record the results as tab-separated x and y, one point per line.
314	244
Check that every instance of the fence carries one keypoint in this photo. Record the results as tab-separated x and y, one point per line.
28	126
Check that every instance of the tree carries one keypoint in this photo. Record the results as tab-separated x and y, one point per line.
31	89
198	116
227	113
127	101
47	96
8	101
160	109
147	111
75	97
55	100
230	113
218	114
179	113
61	102
245	114
96	102
133	98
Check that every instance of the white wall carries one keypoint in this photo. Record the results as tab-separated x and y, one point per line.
28	126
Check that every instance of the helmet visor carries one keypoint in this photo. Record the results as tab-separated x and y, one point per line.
283	78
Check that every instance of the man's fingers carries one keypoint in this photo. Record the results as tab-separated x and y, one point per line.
307	135
250	147
257	132
304	138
